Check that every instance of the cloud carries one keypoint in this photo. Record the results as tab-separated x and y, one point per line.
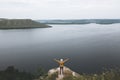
60	8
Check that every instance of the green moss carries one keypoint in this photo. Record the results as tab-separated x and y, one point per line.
51	77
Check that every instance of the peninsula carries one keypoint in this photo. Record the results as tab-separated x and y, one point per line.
20	24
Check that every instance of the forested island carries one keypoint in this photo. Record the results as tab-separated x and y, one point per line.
20	24
81	21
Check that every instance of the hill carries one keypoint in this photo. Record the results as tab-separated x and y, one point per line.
20	23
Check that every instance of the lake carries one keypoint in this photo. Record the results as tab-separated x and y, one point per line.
90	47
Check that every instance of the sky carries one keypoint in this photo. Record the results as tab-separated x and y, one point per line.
60	9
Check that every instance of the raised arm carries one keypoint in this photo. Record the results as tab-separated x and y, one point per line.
66	60
56	60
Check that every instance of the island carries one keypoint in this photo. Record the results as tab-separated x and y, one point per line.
20	24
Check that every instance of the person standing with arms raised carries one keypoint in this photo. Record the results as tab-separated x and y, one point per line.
61	63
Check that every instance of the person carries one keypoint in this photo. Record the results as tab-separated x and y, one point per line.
61	64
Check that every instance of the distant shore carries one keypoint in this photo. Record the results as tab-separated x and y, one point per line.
81	21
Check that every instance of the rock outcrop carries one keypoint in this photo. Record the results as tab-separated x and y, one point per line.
20	23
54	74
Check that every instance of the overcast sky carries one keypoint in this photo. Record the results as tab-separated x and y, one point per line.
60	9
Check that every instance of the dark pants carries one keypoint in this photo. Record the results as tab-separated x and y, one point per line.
61	70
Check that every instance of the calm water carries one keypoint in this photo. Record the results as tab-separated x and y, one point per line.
89	47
